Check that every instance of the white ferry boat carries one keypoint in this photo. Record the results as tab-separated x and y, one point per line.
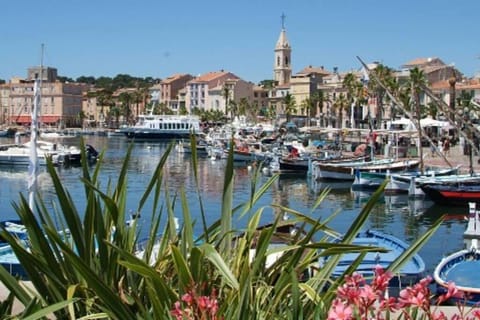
163	127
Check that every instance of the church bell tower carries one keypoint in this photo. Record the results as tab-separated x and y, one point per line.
282	70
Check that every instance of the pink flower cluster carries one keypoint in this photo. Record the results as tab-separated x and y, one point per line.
196	307
357	299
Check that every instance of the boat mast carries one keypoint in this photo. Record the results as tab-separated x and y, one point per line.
33	165
461	122
404	110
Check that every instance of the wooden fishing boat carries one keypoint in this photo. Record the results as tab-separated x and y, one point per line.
8	259
346	171
411	272
462	266
399	182
453	194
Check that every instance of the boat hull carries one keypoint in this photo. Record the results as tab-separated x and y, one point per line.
156	135
461	268
410	273
456	195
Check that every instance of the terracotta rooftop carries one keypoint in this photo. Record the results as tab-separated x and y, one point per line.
418	62
211	76
464	85
309	70
173	78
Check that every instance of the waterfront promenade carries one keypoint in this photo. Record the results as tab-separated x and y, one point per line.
455	157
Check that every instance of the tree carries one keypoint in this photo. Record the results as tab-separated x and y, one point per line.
81	117
354	92
339	105
244	107
64	79
104	99
309	107
125	99
384	74
86	80
226	96
232	109
417	80
318	100
267	84
289	106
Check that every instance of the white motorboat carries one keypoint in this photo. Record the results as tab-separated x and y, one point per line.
163	127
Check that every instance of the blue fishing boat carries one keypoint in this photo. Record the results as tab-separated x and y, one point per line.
8	259
462	267
410	272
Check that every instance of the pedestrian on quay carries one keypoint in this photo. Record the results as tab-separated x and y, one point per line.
446	146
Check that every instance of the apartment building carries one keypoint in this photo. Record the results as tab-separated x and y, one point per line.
60	103
169	90
198	90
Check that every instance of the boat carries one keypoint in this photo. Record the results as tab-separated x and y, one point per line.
162	127
8	259
453	194
201	147
13	155
399	182
19	155
285	235
347	170
462	267
410	272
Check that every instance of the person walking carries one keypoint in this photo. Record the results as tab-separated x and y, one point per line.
446	146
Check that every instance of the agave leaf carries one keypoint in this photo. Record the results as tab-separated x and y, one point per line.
358	223
415	247
154	181
101	289
217	260
184	275
48	310
227	197
187	235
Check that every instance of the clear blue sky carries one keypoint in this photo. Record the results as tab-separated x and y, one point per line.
158	38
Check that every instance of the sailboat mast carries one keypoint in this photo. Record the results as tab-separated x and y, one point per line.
33	165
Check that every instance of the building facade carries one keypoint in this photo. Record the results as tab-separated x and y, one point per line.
60	103
169	90
198	90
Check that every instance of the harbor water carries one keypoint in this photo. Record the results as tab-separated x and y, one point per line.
396	215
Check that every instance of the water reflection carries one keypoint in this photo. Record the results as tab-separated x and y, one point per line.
397	215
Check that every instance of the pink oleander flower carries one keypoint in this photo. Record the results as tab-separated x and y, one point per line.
340	311
194	307
452	292
389	304
381	279
187	298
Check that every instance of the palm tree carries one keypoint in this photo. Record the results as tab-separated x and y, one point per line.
384	74
417	80
226	96
126	99
290	106
232	109
244	108
354	93
339	105
318	99
308	105
104	99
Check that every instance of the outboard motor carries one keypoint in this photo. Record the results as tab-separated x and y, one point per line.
91	152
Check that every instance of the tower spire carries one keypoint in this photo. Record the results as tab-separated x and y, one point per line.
282	70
